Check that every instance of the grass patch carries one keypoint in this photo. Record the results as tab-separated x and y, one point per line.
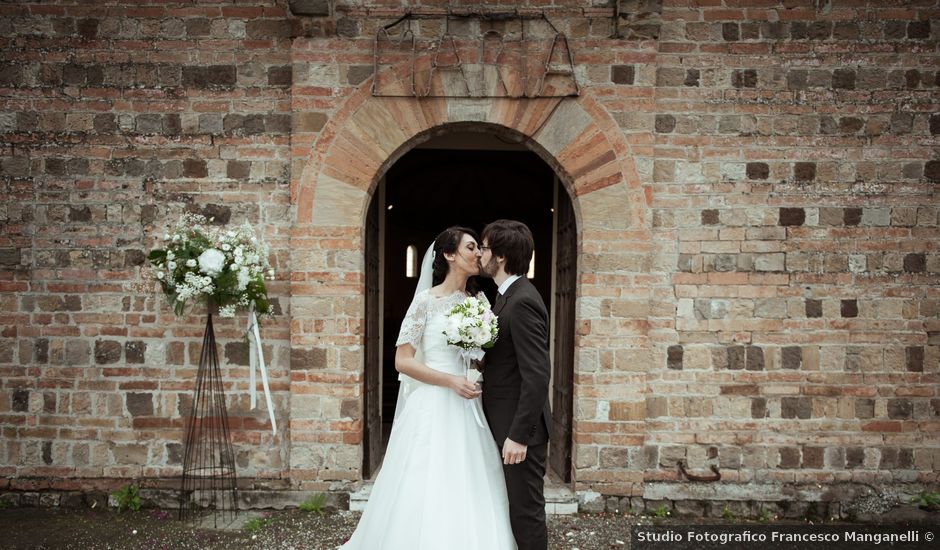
255	524
314	504
127	498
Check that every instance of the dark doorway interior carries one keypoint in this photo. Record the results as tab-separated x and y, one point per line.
430	190
434	187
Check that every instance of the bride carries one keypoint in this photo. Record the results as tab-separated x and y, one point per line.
441	484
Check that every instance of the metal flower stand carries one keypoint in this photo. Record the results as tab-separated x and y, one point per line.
209	482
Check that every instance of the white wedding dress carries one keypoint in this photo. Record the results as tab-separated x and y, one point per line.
441	484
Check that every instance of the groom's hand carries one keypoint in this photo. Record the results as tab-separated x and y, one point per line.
513	453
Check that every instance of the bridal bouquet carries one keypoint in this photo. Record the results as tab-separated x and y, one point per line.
472	327
201	263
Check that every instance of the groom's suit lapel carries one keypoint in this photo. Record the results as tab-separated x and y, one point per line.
500	303
503	299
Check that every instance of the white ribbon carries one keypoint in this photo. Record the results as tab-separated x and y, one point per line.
256	360
470	403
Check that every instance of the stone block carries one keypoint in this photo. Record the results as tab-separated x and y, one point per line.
134	351
622	74
754	358
674	357
915	262
914	358
804	171
848	308
313	8
129	454
139	404
792	357
107	352
303	359
670	76
665	124
792	216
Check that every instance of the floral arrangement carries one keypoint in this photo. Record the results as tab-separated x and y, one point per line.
472	327
226	267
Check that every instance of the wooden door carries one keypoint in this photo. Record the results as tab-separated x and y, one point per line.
372	438
566	273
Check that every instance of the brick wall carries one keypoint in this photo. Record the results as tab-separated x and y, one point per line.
116	118
795	208
780	322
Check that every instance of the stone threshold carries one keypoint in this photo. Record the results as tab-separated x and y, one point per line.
559	499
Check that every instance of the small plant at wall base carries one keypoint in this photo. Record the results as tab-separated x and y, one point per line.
255	524
127	498
661	512
314	504
927	500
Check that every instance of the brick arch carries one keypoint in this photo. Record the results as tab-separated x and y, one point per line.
576	136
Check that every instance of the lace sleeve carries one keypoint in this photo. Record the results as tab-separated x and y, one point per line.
412	327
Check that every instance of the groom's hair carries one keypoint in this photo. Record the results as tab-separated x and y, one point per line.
512	240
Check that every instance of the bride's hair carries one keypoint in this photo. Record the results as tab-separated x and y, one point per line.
447	243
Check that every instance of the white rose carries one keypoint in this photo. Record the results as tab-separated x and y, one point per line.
226	247
170	255
171	265
190	263
211	262
160	275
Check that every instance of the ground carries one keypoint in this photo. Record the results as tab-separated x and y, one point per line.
41	528
47	528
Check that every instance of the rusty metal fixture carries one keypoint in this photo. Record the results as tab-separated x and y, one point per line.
445	56
694	477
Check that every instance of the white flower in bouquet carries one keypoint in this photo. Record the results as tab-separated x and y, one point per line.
211	262
481	335
243	278
472	327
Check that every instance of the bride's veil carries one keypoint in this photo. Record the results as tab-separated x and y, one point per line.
425	281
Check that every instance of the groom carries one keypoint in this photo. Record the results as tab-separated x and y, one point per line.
516	377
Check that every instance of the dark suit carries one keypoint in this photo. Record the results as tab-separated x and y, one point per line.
515	399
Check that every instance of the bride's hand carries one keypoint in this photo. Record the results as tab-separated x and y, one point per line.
465	388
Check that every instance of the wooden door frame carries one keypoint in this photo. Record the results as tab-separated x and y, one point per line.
370	462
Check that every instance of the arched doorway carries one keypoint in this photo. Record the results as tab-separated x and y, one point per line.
465	175
332	197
